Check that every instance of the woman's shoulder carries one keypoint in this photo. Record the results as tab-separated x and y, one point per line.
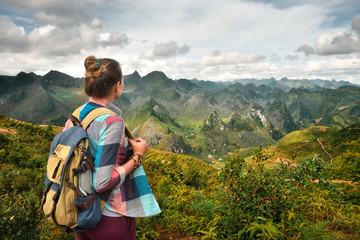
109	123
109	118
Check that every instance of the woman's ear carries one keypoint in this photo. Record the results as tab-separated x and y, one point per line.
118	88
117	85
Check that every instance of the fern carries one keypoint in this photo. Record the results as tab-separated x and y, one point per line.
265	230
318	230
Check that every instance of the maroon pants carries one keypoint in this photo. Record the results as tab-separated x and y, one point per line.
111	228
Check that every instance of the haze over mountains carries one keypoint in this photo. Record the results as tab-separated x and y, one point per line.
195	117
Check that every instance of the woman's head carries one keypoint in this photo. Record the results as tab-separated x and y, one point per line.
101	76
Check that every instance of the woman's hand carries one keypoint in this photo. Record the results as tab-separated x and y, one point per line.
139	146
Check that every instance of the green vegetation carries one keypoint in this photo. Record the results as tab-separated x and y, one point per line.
242	200
304	135
24	149
333	146
140	116
253	112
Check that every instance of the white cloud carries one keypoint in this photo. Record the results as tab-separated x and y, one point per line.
51	40
291	57
275	57
61	13
12	37
208	25
334	65
45	31
165	50
346	41
60	34
340	43
97	23
340	68
355	24
306	49
114	39
231	58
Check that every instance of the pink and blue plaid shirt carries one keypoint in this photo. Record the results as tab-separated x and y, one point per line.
108	145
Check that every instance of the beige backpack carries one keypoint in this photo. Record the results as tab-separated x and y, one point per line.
69	198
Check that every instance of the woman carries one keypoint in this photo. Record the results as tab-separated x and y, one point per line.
108	145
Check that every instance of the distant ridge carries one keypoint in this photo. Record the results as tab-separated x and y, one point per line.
156	79
287	84
175	115
56	78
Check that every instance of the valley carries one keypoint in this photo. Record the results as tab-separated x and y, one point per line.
194	117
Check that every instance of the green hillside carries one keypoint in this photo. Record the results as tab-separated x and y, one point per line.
243	200
304	135
338	148
254	111
23	153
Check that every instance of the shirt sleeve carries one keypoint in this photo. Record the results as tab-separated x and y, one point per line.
108	174
67	125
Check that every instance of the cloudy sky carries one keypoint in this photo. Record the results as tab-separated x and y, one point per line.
214	40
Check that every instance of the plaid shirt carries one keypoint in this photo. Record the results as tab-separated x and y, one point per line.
108	145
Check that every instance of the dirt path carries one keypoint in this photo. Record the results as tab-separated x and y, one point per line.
338	181
6	130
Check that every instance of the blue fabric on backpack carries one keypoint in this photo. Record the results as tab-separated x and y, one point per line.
69	137
88	218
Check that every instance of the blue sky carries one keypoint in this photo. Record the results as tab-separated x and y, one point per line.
214	40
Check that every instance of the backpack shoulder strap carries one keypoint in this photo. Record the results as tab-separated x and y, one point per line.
76	113
93	114
97	112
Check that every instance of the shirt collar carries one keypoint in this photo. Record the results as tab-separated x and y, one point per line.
108	105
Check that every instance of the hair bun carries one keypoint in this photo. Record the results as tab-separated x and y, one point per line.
101	75
93	67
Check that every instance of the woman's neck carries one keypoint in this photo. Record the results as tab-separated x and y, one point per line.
101	101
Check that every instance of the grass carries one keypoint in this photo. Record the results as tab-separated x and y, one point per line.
304	135
189	122
67	95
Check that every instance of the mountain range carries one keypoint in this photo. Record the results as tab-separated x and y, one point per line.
196	117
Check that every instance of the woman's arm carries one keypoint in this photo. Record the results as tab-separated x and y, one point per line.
139	146
108	173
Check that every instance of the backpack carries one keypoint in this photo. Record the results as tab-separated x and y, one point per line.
69	199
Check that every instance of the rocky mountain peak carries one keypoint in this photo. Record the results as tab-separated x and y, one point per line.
214	121
155	74
132	79
23	78
280	116
56	78
157	79
136	74
256	113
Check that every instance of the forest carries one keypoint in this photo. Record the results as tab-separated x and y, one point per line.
311	197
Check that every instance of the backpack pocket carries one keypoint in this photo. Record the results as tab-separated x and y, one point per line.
85	182
56	163
90	215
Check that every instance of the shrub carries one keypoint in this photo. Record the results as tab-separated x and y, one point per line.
251	193
282	202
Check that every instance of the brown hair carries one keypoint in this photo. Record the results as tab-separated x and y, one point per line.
101	75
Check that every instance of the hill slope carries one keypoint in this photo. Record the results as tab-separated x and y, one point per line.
196	200
254	112
331	144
